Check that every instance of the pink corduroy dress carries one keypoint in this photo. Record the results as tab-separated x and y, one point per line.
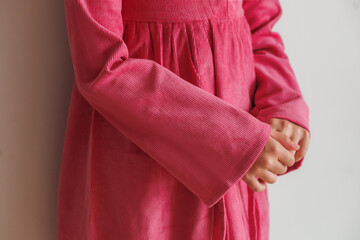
167	114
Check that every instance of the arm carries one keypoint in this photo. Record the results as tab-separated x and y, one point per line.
277	92
203	141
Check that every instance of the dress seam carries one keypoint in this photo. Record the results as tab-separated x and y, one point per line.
183	21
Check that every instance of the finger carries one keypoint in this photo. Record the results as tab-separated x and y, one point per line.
304	144
286	127
284	140
284	156
268	176
296	137
275	123
255	184
282	125
277	168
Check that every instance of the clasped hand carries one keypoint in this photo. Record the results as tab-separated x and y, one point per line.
287	144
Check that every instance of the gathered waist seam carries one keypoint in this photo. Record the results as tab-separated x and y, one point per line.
184	21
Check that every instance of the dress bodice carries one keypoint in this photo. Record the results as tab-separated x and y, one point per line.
180	10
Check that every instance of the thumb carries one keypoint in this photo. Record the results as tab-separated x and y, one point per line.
284	140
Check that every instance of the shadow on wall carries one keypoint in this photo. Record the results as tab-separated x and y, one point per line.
36	77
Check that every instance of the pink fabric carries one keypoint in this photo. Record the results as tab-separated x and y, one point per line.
166	116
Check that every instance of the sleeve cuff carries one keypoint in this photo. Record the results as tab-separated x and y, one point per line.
237	172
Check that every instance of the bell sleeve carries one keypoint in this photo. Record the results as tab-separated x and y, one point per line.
203	141
277	93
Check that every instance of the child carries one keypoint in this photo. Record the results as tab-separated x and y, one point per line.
181	112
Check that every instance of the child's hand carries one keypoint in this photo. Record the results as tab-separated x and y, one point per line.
295	132
274	159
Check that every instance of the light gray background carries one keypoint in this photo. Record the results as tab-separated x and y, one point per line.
319	201
322	200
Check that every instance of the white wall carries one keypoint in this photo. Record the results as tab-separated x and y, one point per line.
322	200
